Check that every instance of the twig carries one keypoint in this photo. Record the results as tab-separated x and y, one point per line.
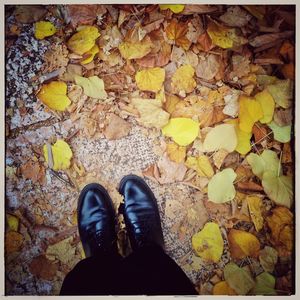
58	176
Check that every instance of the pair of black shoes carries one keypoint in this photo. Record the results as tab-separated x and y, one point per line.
96	217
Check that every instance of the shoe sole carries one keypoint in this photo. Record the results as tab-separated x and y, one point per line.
141	180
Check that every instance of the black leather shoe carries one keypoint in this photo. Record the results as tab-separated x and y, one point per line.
96	220
141	213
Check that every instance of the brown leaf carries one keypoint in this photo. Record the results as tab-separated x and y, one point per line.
235	17
116	128
283	117
240	66
177	31
84	14
29	13
260	133
170	171
13	241
204	42
208	66
287	153
190	9
270	37
249	186
43	268
32	170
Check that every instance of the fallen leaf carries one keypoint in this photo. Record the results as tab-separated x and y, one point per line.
183	130
116	128
243	138
54	95
267	161
191	9
243	244
288	71
224	37
13	241
208	243
238	279
201	165
176	153
136	49
183	81
281	134
260	133
61	153
278	188
235	16
170	171
281	225
208	67
287	153
222	288
84	14
255	206
221	188
221	137
175	8
43	29
258	11
267	104
219	157
282	92
83	40
90	55
12	222
151	112
268	258
42	268
29	13
150	79
62	251
33	171
92	86
171	102
71	71
250	111
177	31
283	117
231	103
264	285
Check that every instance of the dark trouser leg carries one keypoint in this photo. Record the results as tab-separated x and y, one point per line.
96	275
150	271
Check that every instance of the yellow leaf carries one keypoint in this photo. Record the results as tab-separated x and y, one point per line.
91	54
183	130
224	37
267	104
13	241
150	79
221	137
255	206
175	8
183	81
242	244
92	86
282	92
151	112
243	144
222	288
208	243
250	111
84	40
201	164
281	225
61	153
177	31
12	222
54	95
176	153
43	29
171	102
221	188
136	49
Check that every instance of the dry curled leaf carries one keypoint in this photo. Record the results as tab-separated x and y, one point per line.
116	128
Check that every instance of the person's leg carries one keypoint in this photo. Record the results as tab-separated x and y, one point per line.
95	275
148	270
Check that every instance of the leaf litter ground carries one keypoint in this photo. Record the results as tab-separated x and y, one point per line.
179	94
